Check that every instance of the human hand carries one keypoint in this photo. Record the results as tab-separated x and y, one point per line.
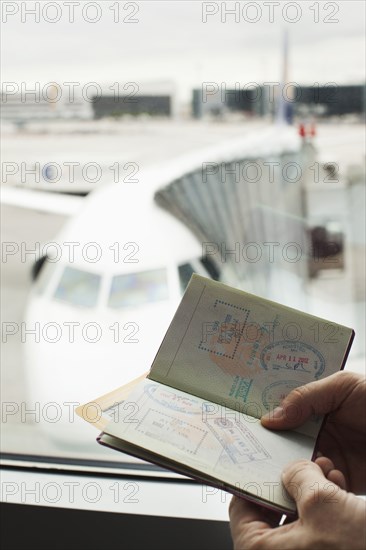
329	517
342	438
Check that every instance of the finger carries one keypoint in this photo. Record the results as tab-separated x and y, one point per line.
337	477
247	518
250	525
306	484
253	512
315	398
325	464
331	473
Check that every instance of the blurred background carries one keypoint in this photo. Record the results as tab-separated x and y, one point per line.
127	129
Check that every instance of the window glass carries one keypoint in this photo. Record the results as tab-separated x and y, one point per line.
282	217
42	275
185	273
78	287
134	289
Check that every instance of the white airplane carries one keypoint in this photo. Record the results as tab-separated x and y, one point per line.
101	322
103	299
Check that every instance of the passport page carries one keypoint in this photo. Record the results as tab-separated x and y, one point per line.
227	446
244	352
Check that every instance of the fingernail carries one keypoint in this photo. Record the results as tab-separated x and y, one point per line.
276	413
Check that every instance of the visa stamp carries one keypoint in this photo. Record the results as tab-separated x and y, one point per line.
273	394
223	336
297	357
172	430
237	441
240	388
172	401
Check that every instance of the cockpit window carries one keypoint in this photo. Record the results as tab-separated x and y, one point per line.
185	273
211	268
204	266
135	289
78	287
42	274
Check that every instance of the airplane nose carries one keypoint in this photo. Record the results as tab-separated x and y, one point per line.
64	374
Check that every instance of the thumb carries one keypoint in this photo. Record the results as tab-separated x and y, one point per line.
306	484
315	398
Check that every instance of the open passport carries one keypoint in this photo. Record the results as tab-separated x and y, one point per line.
227	358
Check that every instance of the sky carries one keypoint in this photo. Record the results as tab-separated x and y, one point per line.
170	41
